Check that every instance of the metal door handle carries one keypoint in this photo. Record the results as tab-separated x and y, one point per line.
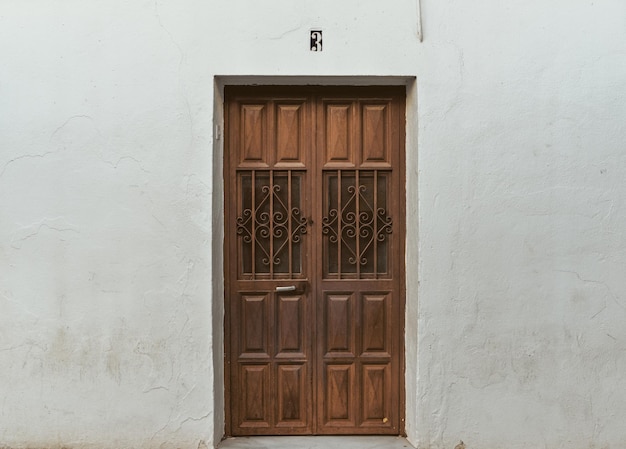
289	288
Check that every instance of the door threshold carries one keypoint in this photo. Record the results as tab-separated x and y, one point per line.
316	442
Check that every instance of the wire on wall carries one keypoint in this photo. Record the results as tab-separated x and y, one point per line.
420	36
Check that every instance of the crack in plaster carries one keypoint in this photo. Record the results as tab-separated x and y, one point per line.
593	281
24	156
180	65
31	345
460	81
199	181
17	243
285	33
116	164
22	307
599	312
169	420
160	387
157	219
12	348
180	50
190	266
154	365
88	117
191	390
191	418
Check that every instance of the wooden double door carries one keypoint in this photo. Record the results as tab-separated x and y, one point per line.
314	260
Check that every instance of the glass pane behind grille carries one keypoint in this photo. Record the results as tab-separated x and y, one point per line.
270	224
356	224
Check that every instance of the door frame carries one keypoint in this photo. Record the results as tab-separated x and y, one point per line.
409	397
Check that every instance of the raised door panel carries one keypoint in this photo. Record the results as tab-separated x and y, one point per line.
339	134
339	331
291	327
339	385
376	396
254	329
253	137
375	134
292	396
291	134
376	324
254	402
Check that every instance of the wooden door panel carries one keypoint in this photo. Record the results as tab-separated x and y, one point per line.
254	331
339	133
254	128
376	398
291	328
291	133
340	338
254	406
376	144
314	260
292	396
376	324
338	406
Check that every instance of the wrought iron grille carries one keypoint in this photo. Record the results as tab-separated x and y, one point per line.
270	223
356	224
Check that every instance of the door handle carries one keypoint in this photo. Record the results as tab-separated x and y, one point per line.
288	288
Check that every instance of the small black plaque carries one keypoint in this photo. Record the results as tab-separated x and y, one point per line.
316	40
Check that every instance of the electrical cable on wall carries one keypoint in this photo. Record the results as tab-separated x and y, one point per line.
420	36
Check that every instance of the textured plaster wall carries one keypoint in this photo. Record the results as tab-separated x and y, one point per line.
110	212
105	225
522	262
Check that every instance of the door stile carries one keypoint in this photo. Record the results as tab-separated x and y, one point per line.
228	266
271	224
253	223
289	227
311	198
376	221
398	135
339	224
315	270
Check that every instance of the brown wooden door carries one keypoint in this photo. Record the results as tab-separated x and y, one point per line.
314	260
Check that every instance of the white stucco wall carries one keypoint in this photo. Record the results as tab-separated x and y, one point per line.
110	213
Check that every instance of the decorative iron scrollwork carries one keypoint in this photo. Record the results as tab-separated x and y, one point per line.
272	225
355	224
